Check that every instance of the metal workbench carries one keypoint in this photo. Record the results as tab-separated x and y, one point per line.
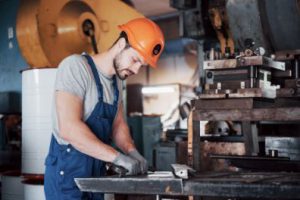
268	185
253	185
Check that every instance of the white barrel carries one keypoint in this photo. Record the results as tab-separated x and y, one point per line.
12	187
37	97
33	190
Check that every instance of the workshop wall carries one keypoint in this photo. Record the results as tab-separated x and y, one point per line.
178	64
11	60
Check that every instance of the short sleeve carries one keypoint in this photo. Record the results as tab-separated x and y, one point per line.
72	76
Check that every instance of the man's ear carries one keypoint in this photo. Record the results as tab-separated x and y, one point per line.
121	43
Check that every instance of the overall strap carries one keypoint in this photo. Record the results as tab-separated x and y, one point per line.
116	91
96	76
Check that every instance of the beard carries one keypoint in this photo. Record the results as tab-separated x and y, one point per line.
118	70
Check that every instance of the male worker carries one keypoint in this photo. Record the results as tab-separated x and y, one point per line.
88	111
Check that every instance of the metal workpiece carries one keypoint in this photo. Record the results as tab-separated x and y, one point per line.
243	62
143	184
214	184
182	171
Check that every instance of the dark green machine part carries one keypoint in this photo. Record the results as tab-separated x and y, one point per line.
146	133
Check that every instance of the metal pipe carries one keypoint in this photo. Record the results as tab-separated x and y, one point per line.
251	76
200	54
296	66
166	16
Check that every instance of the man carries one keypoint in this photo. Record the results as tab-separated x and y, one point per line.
88	111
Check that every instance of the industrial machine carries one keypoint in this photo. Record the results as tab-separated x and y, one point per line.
248	75
43	33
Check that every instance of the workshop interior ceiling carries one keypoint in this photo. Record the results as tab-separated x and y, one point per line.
153	7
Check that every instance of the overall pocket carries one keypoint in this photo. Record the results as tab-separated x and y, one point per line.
50	181
72	164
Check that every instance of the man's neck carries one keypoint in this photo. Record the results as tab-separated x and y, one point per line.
104	62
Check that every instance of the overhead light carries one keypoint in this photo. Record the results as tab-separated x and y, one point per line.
158	89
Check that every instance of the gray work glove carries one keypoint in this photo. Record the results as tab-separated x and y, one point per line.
142	161
128	163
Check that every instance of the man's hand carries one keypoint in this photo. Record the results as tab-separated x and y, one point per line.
132	165
142	161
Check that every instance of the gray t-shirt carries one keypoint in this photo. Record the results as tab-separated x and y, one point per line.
74	75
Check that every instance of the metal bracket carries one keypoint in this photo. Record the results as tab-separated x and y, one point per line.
182	171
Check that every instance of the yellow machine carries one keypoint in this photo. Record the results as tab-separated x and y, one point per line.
48	31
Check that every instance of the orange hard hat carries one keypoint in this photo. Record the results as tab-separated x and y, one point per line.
145	37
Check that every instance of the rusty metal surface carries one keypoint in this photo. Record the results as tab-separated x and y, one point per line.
216	104
264	114
244	61
246	93
212	96
239	93
228	148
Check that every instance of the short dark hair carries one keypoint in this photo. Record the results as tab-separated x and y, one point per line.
123	34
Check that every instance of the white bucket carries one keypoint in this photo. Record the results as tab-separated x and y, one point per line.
37	97
34	190
12	187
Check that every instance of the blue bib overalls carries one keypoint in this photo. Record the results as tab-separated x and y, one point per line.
64	162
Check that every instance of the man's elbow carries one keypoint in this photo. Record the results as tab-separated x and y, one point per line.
65	132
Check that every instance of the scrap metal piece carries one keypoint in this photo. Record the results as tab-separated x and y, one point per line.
182	171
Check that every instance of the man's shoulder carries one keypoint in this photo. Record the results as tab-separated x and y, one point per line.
74	62
72	59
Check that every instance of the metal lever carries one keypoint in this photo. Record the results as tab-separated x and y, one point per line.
89	30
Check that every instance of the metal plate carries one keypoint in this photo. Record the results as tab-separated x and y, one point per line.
256	185
132	185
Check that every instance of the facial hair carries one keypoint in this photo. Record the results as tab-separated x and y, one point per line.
118	66
117	69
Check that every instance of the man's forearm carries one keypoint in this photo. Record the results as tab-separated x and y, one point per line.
83	139
122	138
